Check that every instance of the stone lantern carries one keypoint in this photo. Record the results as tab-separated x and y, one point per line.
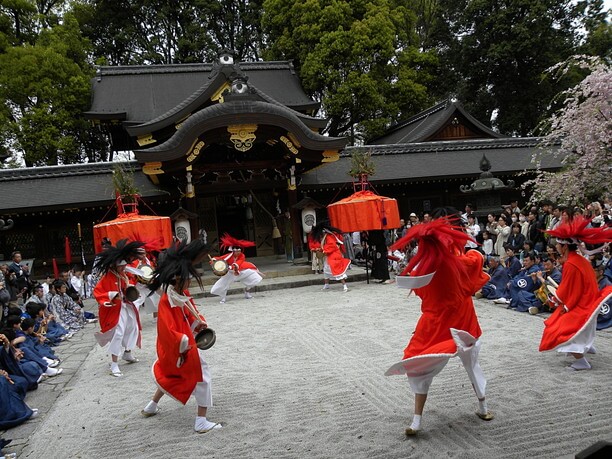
487	190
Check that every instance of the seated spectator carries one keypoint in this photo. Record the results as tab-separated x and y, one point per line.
11	360
604	319
13	409
46	284
496	287
38	342
512	264
550	276
522	287
66	311
30	354
38	295
77	282
516	239
46	322
551	253
527	248
75	290
49	295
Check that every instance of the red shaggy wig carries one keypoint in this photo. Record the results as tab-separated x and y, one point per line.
440	241
576	231
228	241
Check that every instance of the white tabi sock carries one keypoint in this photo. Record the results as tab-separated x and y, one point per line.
591	350
151	407
482	407
580	364
202	424
416	422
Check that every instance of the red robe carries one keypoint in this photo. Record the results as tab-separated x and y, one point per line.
174	326
109	289
337	263
236	262
447	303
580	294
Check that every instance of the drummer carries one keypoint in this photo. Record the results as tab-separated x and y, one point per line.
180	369
550	277
239	270
140	272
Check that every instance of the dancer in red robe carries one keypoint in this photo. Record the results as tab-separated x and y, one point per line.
448	326
119	318
240	270
327	239
571	327
180	369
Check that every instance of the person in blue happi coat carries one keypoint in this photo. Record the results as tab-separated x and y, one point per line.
13	409
513	264
604	318
497	285
524	284
550	278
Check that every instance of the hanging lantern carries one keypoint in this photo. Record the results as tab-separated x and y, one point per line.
182	229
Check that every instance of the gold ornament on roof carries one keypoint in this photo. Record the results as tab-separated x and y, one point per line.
242	136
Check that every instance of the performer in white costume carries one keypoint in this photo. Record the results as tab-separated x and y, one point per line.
239	270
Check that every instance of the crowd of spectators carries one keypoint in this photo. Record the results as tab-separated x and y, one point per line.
519	255
35	318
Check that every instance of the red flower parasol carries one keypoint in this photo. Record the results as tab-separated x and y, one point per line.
364	211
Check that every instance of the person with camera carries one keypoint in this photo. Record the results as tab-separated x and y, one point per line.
22	275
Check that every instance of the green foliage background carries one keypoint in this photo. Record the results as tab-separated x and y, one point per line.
370	63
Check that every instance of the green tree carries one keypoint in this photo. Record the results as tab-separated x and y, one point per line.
44	89
596	21
357	57
126	32
494	54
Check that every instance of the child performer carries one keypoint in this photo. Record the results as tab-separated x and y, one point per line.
448	326
571	327
180	369
119	318
240	270
327	239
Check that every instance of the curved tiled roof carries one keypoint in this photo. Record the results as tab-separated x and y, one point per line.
58	187
421	126
200	97
238	111
417	161
147	92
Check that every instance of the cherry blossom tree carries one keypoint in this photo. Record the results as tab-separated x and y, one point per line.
580	133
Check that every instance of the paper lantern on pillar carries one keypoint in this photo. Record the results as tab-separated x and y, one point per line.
182	229
309	219
309	207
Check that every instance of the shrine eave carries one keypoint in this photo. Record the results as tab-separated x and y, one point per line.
238	112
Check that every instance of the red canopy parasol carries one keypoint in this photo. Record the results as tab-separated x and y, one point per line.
364	211
154	231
